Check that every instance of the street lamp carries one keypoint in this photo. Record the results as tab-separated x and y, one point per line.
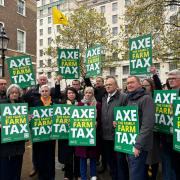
3	46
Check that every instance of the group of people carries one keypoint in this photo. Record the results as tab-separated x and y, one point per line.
150	148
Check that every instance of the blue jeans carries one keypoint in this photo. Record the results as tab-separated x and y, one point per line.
83	168
137	166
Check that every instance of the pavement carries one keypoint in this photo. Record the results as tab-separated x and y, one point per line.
27	167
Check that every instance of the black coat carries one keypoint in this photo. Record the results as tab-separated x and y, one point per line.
11	148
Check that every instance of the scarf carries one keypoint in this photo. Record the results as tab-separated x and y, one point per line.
91	102
46	101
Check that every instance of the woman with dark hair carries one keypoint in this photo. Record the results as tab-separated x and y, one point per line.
11	154
153	157
66	153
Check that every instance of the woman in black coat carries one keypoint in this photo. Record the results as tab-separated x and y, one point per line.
11	154
66	153
44	152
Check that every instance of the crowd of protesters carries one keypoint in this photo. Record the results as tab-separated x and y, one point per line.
150	150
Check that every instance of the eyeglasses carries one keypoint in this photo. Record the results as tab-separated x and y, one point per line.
146	85
172	79
3	83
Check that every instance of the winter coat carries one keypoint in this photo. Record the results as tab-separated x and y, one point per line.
107	113
90	151
146	113
11	148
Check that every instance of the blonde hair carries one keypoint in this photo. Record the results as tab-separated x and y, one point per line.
43	86
89	89
14	86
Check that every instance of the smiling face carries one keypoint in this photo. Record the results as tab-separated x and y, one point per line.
71	95
133	84
88	94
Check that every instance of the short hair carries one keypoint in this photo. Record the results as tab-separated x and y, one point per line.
174	72
102	79
137	78
112	77
14	86
77	81
45	85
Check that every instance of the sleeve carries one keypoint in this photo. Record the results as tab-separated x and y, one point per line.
88	82
157	82
148	120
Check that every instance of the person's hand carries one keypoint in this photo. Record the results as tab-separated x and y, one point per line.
59	78
136	152
114	124
30	116
153	70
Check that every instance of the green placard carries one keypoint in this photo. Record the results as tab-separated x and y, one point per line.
61	121
21	71
41	123
163	100
14	122
140	54
176	125
93	61
127	128
69	63
82	126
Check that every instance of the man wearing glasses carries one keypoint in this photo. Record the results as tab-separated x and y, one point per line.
174	82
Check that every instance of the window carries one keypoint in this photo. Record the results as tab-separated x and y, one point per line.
124	84
49	20
49	30
58	27
172	66
49	63
41	22
40	52
41	13
114	19
41	63
112	71
21	7
49	10
49	75
58	6
173	7
102	9
114	6
21	38
49	41
125	70
115	56
41	42
41	32
173	19
1	25
114	42
127	2
114	31
43	2
2	2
